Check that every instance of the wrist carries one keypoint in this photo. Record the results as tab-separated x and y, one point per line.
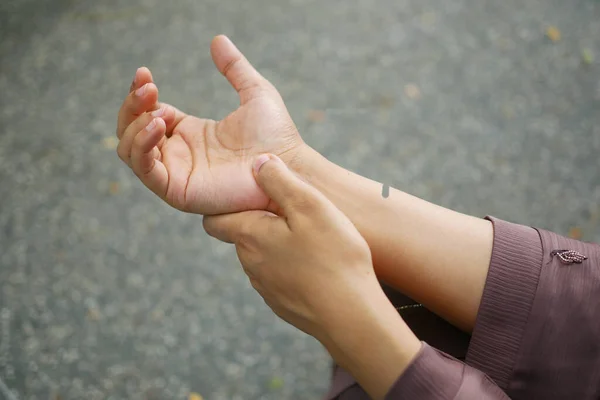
349	192
308	163
369	339
367	315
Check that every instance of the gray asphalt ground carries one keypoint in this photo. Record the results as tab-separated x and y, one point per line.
106	293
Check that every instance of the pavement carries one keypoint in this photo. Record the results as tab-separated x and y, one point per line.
483	106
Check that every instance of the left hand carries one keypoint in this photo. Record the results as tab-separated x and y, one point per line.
309	263
199	165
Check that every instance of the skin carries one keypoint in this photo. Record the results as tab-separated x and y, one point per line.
200	165
434	255
293	257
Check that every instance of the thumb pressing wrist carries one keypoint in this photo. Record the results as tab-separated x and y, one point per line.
275	178
260	161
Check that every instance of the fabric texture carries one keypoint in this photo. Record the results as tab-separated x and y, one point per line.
537	333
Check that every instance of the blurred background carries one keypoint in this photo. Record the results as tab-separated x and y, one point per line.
483	106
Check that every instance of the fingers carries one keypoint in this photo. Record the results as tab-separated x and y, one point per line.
143	97
292	194
140	100
244	78
141	77
167	113
178	115
240	227
146	157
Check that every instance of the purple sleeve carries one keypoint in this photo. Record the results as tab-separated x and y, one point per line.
538	326
536	334
509	292
434	375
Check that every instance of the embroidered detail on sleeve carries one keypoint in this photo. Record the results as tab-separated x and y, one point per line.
401	308
568	256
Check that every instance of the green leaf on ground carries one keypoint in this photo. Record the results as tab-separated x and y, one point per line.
587	56
276	383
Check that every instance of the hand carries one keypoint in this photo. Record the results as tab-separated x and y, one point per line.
309	263
200	165
314	270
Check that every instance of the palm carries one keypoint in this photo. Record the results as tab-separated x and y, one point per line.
209	163
200	165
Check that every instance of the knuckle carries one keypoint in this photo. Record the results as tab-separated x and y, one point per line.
245	239
123	154
207	224
229	67
128	104
137	125
273	229
305	205
255	284
214	226
136	140
244	235
250	260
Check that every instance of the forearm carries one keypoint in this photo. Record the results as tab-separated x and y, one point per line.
376	347
371	341
434	255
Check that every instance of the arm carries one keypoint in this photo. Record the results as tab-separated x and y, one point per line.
537	328
372	342
314	269
436	256
377	357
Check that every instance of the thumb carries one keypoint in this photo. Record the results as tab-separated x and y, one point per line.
244	78
283	187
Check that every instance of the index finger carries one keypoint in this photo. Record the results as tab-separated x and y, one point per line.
142	97
236	227
141	77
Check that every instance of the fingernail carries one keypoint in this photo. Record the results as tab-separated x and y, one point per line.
141	91
260	160
227	39
150	127
160	112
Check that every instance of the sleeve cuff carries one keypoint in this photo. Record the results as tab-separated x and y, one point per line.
431	375
507	299
434	375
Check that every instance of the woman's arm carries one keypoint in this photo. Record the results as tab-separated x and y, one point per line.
376	357
372	342
436	256
314	269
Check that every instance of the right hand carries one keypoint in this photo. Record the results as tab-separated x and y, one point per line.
200	165
308	261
